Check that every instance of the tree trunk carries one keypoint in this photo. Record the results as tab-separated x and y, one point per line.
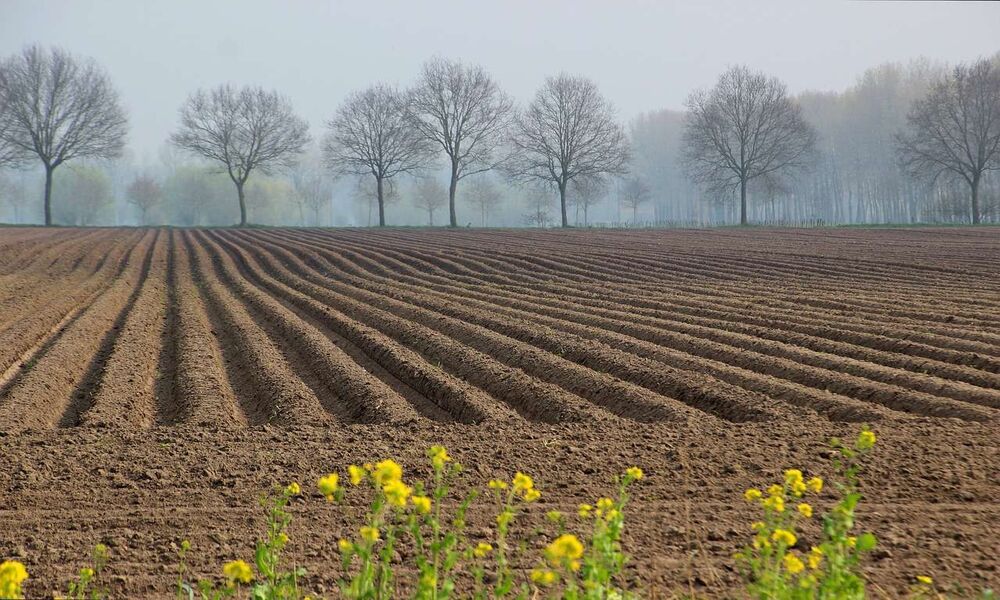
381	202
743	201
243	204
975	201
586	222
48	194
430	216
451	193
562	203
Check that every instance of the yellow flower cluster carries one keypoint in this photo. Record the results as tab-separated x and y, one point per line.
370	534
356	474
784	536
866	439
634	473
237	571
525	486
12	575
422	504
293	489
482	549
439	456
566	551
329	485
544	577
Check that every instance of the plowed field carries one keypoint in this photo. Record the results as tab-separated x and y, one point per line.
154	382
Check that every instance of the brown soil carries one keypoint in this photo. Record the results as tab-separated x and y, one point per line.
154	383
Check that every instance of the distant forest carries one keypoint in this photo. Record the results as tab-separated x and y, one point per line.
871	154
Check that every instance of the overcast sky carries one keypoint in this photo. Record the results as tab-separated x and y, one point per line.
644	54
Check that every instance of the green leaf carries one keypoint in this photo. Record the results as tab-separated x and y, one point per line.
866	542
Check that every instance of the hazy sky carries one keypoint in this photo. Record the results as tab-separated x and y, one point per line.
644	54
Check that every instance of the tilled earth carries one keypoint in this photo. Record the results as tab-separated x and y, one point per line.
154	382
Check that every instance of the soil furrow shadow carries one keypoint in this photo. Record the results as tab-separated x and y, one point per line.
83	396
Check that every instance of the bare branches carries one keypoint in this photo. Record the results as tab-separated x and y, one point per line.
144	192
745	127
244	130
57	107
569	130
955	129
461	109
372	134
634	193
429	195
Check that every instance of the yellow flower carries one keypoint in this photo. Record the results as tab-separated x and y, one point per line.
387	471
784	536
805	510
86	573
532	495
237	570
428	580
344	545
356	473
604	504
422	504
481	550
866	439
775	503
757	525
611	514
397	493
438	456
925	579
328	485
752	494
553	515
792	475
565	548
584	510
293	489
369	534
852	541
815	485
498	484
761	542
522	482
815	557
798	488
543	577
776	490
635	473
793	564
12	575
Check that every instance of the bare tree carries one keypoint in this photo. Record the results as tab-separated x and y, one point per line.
57	107
586	192
955	129
486	196
368	196
634	193
461	109
429	195
538	204
745	127
569	130
312	189
144	193
245	130
371	135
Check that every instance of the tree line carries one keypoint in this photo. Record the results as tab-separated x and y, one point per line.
745	144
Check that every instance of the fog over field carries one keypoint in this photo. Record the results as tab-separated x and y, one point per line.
853	68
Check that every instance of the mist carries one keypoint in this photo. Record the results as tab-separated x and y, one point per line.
854	68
